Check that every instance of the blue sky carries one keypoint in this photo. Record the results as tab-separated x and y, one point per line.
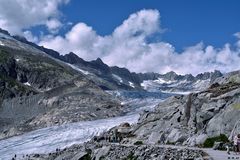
185	36
186	22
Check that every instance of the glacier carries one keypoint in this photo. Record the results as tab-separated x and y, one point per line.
46	140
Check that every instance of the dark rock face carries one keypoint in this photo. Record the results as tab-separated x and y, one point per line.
8	66
207	75
4	32
39	71
189	77
148	76
73	59
9	84
126	74
98	64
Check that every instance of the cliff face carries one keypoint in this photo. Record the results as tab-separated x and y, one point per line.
9	85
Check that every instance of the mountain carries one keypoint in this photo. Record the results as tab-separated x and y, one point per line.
38	90
112	78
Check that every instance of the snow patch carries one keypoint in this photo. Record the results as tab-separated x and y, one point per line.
145	84
27	84
1	43
150	85
78	69
118	78
162	81
179	92
131	84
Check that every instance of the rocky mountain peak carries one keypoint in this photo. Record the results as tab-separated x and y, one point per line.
171	73
209	75
189	77
215	75
73	58
170	76
98	63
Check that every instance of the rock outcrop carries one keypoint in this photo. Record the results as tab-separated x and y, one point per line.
190	119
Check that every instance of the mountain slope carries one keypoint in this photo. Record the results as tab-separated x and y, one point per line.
37	90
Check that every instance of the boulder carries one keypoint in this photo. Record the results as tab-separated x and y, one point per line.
79	155
176	135
101	152
154	138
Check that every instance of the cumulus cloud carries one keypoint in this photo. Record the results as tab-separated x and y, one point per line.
81	39
53	25
128	46
17	15
30	37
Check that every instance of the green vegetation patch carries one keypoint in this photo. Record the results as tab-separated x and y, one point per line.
87	157
209	142
234	79
130	157
138	143
170	143
4	56
236	106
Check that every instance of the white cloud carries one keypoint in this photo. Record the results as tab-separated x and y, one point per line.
53	25
30	37
128	47
237	35
144	23
80	39
16	15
